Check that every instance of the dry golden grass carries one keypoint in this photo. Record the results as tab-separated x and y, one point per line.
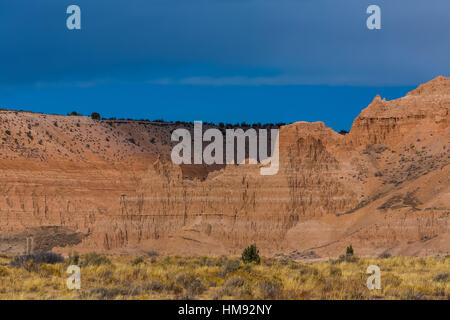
121	277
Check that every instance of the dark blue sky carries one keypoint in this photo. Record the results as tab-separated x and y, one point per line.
218	60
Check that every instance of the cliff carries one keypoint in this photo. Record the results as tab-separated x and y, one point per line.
110	186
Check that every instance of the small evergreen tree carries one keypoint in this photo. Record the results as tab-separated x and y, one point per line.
95	116
251	254
349	251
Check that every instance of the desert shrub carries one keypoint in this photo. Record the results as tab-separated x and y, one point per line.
221	261
325	287
391	280
356	289
107	293
94	259
235	282
270	289
231	265
195	287
49	270
180	278
154	285
132	290
174	287
205	261
45	257
137	261
245	294
228	267
181	263
422	262
192	285
305	270
346	258
268	263
217	294
335	271
152	253
439	292
251	254
247	268
30	262
168	260
3	272
227	291
8	132
350	258
95	116
74	258
185	296
414	294
442	277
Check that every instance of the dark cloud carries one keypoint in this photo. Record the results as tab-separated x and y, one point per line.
224	42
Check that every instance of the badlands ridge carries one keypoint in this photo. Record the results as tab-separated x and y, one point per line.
74	183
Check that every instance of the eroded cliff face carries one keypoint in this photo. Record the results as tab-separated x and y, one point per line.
384	187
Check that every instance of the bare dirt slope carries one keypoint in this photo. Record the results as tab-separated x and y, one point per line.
110	186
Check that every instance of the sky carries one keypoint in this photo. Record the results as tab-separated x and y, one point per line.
218	60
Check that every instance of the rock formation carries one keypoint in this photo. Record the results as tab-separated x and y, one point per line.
110	186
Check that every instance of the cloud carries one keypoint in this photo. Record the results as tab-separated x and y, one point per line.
281	80
220	43
232	81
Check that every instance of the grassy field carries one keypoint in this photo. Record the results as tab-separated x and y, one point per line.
155	277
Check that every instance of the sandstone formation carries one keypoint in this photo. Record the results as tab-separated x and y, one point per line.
111	186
